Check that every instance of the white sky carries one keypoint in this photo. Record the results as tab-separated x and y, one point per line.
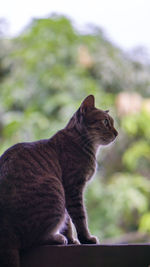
126	23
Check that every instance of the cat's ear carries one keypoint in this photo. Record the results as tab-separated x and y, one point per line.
88	103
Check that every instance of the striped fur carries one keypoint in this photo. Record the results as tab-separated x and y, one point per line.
42	184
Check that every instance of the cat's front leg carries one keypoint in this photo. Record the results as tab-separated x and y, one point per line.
67	231
76	210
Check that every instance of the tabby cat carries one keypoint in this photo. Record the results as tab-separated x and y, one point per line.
42	183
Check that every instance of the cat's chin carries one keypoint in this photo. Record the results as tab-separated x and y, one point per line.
107	142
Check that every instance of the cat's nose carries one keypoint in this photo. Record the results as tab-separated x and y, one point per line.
115	133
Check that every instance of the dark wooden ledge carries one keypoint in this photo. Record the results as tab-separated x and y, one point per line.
135	255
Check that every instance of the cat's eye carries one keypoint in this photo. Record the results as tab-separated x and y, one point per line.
106	122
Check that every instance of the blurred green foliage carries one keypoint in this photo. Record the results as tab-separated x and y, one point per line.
45	73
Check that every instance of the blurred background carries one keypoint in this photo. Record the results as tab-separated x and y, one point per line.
52	55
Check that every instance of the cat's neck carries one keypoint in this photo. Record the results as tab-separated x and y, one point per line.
84	142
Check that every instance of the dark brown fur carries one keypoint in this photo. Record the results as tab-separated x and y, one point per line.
42	182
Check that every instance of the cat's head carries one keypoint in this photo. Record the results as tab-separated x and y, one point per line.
97	124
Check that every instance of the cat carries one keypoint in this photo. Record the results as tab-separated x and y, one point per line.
42	184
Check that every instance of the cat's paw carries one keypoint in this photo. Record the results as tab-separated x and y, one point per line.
89	240
57	239
73	241
60	239
93	240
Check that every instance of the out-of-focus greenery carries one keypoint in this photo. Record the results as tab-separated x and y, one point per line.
44	75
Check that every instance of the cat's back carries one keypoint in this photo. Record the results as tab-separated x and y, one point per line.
11	158
32	158
28	171
12	154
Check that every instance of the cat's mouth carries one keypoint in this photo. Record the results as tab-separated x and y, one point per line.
114	136
115	133
106	141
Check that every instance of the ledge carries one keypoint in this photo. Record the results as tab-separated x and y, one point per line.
134	255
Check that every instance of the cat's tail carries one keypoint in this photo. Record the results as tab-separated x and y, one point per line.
9	258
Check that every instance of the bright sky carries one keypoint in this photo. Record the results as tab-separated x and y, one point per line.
126	23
